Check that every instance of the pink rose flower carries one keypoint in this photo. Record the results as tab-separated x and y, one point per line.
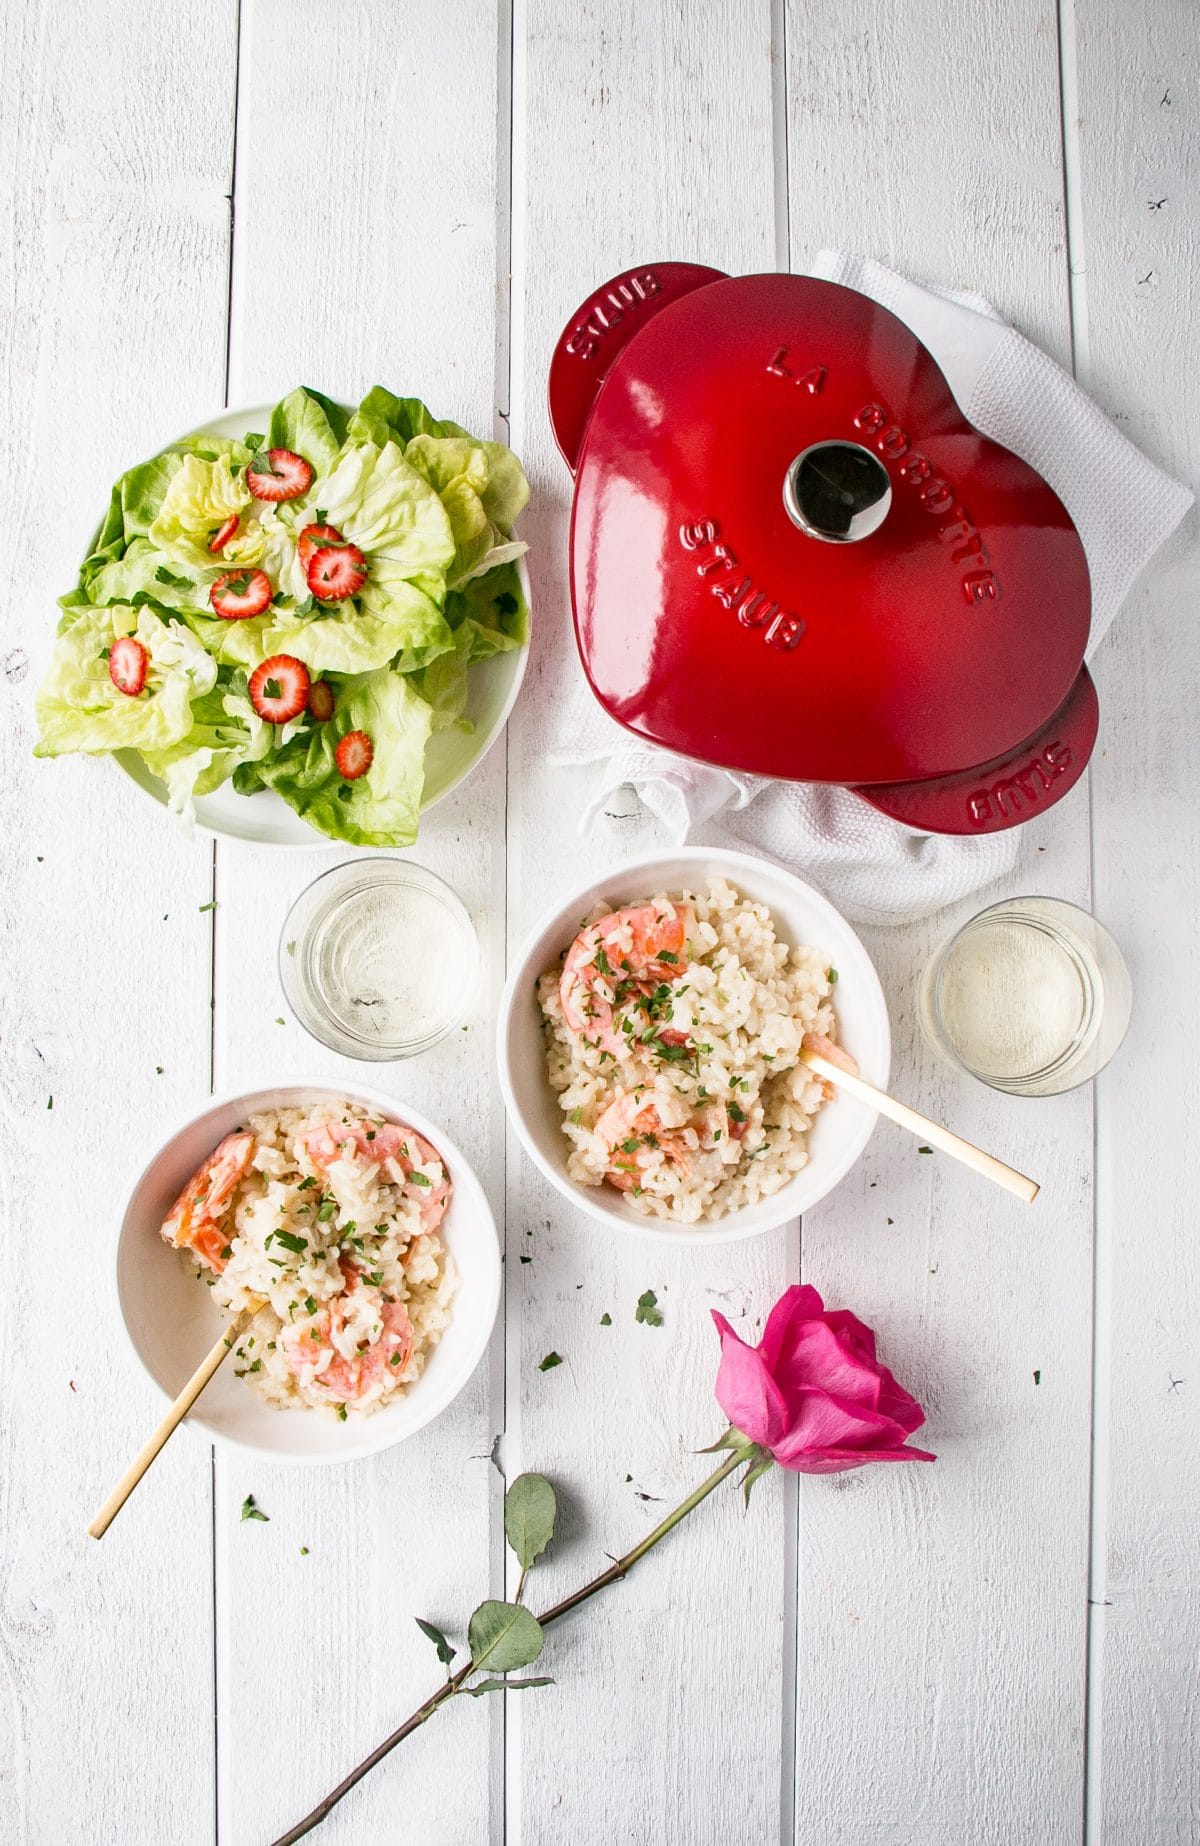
812	1394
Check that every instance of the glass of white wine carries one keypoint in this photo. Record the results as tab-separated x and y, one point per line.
1032	996
379	959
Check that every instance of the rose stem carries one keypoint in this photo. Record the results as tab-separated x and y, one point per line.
618	1569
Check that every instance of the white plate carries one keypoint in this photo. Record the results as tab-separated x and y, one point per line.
265	819
801	915
172	1322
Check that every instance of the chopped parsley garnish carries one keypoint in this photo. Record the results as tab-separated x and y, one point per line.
250	1511
630	1146
666	955
395	1359
310	1306
226	1253
419	1179
341	1413
736	1114
326	1208
549	1362
648	1311
348	1228
576	1116
163	575
602	961
289	1240
306	1183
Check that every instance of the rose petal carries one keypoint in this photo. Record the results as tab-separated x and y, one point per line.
838	1461
895	1402
815	1355
746	1391
795	1306
854	1331
819	1420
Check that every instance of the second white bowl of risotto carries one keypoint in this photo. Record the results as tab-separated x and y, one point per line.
350	1232
649	1045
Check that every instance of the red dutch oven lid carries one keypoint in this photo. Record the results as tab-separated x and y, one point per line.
792	555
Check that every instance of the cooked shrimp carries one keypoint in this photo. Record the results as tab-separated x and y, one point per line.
347	1350
628	952
401	1152
837	1054
633	1131
195	1220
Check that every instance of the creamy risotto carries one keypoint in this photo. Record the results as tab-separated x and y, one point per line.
332	1218
673	1030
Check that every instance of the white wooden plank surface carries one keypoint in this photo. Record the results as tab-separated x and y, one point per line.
396	287
114	241
643	134
1134	240
946	1605
933	1688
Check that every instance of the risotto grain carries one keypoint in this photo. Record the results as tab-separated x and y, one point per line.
332	1217
673	1034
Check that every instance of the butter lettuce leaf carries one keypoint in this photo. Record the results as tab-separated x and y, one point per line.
79	708
383	806
493	610
311	425
389	511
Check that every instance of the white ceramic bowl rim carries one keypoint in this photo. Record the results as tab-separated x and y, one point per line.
633	877
375	1433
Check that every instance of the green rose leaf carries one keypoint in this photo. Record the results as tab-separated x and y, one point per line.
504	1685
502	1636
445	1652
529	1512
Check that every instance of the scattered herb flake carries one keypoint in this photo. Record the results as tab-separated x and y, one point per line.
50	1102
831	975
648	1311
341	1413
606	1320
326	1208
250	1511
549	1362
924	1150
304	1551
1037	1378
211	905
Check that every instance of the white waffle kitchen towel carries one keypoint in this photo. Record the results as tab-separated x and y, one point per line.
876	869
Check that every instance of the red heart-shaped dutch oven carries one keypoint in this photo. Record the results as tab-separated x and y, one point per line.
792	555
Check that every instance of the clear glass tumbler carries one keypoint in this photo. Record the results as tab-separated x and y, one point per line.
379	959
1032	996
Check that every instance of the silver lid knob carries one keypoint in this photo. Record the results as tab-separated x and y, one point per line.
838	492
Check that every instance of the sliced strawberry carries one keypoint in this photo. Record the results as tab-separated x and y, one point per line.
320	700
312	538
127	663
336	571
240	593
278	474
353	755
223	534
279	688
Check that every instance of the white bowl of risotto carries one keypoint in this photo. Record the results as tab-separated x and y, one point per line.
649	1038
361	1229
